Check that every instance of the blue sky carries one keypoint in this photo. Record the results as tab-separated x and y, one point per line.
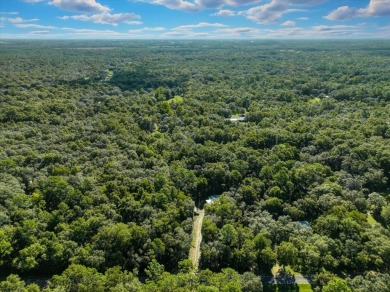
193	19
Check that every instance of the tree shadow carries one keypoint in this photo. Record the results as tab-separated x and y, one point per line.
281	288
281	282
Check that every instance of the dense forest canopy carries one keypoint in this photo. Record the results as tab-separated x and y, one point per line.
106	147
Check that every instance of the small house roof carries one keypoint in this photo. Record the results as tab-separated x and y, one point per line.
237	119
212	198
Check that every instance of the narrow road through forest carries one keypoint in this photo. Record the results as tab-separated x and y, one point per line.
194	255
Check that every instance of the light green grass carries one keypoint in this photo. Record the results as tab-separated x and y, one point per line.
288	288
314	100
293	287
305	288
371	220
177	99
109	75
275	269
290	270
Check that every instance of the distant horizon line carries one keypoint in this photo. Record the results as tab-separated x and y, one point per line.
197	39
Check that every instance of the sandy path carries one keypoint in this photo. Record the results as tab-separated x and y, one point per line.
194	255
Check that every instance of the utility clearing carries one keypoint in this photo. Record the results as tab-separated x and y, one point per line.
194	255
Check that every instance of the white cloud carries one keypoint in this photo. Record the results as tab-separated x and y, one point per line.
24	25
77	33
87	6
190	30
289	23
15	20
32	1
271	12
176	4
199	25
210	3
378	8
39	32
267	13
186	35
220	3
374	8
10	13
147	29
386	27
198	5
224	13
145	32
349	31
240	2
332	27
303	18
135	22
21	20
107	18
306	2
316	32
342	13
92	31
239	31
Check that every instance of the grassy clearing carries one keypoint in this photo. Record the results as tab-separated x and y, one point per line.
177	99
371	220
275	269
108	75
194	254
314	100
305	288
288	288
291	271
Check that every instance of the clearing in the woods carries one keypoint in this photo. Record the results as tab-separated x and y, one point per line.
196	239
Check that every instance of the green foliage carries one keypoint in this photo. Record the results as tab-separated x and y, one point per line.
78	278
154	270
105	153
13	283
385	214
186	266
5	247
118	280
251	282
9	187
336	284
286	253
29	257
372	281
228	235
